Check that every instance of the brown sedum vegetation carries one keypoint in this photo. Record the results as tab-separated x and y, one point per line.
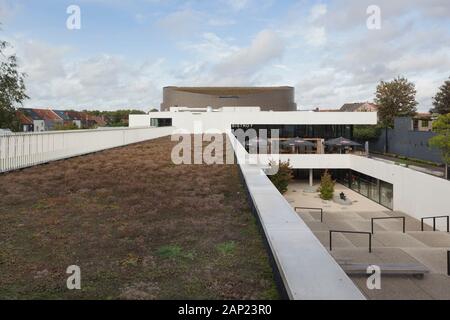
138	226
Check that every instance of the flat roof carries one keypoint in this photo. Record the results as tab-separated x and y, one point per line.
229	90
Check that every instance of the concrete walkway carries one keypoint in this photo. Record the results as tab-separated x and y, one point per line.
390	245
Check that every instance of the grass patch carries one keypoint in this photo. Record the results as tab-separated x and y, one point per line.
227	247
138	226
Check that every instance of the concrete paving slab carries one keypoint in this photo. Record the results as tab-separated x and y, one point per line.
361	225
372	214
436	239
434	259
306	216
317	226
338	225
397	240
339	241
393	288
389	225
362	240
341	215
436	285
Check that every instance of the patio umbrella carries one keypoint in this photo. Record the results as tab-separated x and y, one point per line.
341	142
298	142
258	141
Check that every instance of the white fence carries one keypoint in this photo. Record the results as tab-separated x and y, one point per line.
22	150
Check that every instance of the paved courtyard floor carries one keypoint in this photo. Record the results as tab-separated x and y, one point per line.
297	195
390	244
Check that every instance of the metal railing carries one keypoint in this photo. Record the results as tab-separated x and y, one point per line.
20	150
351	232
434	222
309	208
448	263
384	218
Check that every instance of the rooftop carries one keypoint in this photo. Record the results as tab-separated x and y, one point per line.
230	90
140	229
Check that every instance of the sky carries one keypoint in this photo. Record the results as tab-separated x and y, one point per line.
125	51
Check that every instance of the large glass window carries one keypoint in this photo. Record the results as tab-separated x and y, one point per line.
309	131
386	194
372	188
160	122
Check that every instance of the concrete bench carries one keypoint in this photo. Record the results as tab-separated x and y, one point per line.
416	270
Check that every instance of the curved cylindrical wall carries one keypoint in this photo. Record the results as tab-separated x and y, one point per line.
267	98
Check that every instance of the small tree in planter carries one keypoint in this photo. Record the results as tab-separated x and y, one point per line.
283	176
326	188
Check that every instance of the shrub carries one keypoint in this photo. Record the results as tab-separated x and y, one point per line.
282	178
366	132
326	188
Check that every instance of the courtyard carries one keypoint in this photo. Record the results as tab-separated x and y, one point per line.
390	246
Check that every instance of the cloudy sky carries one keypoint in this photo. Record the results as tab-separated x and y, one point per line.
126	51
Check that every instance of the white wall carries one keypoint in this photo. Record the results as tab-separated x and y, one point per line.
307	269
223	120
26	149
415	193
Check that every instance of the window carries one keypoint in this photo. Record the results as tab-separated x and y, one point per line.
415	124
425	123
161	122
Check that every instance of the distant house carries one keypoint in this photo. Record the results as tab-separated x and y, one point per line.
407	141
26	123
38	124
69	117
422	122
51	119
359	107
91	121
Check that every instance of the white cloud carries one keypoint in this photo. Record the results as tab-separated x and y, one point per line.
265	47
8	9
100	82
181	23
238	4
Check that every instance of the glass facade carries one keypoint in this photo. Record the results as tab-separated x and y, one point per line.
305	131
377	190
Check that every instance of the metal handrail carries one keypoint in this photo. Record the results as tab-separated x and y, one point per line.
434	222
384	218
355	232
309	208
448	263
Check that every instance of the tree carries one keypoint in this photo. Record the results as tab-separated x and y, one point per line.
441	126
326	188
441	100
12	89
283	176
396	98
366	132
